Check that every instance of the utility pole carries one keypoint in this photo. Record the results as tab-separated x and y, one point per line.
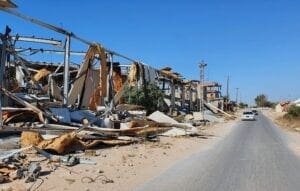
237	94
227	88
227	94
202	66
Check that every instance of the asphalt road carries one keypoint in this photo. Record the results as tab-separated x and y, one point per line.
253	157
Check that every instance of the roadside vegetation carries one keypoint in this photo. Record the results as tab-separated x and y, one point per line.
291	119
243	105
149	96
293	112
262	101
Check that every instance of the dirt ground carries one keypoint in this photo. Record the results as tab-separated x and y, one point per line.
123	168
277	117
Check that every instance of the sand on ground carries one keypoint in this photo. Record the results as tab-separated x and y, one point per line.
126	167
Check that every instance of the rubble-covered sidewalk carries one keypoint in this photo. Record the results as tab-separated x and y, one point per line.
121	168
58	118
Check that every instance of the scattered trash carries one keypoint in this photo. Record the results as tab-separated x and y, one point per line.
71	160
68	160
17	166
33	172
17	174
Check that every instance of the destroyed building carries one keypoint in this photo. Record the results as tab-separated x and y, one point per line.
82	102
212	94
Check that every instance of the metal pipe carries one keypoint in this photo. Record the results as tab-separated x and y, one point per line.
36	21
2	67
62	73
59	30
37	40
75	53
120	55
66	70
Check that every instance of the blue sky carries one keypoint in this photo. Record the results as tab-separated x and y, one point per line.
256	42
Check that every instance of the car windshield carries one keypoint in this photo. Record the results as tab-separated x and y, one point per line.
248	113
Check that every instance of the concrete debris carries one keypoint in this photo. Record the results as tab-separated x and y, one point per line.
160	117
177	132
209	116
214	109
17	166
188	117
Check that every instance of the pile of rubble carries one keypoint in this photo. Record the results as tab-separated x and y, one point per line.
91	114
57	109
60	148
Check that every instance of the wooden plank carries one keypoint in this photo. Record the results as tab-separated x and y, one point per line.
12	109
91	83
10	129
77	87
55	90
119	94
40	113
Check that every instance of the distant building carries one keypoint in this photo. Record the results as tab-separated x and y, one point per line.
212	94
297	102
282	106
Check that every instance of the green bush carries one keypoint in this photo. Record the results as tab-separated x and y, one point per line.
293	111
243	105
149	96
262	101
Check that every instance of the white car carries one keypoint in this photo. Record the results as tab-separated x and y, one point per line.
248	116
